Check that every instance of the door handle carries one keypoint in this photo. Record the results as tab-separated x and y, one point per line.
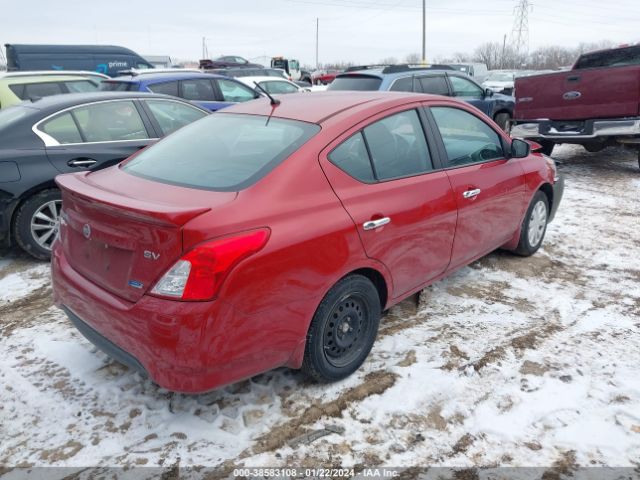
373	224
573	79
471	193
81	162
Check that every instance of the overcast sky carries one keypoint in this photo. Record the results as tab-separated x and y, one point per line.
361	31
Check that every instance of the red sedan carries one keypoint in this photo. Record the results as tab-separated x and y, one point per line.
270	235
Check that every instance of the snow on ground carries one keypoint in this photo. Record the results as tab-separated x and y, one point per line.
508	362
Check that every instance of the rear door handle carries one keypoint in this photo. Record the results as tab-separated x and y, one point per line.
81	162
373	224
471	193
573	79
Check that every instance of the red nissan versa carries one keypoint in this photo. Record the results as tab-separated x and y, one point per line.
269	235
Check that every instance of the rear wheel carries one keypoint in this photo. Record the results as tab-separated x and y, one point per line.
37	221
343	330
534	226
502	119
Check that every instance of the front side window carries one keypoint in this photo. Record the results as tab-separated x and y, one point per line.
173	115
235	91
81	86
225	152
199	90
63	129
166	88
398	146
279	87
465	88
110	121
351	156
467	139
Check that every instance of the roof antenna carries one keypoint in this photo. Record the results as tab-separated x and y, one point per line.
274	101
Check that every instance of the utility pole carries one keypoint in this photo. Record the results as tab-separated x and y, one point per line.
317	38
504	47
424	31
520	32
205	50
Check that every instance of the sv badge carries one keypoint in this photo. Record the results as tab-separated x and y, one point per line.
149	255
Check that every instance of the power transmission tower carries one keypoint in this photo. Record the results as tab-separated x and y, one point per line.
520	31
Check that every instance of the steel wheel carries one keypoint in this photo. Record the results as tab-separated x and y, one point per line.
345	332
45	222
537	223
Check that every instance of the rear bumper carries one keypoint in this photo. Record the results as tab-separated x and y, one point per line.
188	347
585	131
558	192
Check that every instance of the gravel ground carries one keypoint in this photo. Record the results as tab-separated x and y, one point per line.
508	362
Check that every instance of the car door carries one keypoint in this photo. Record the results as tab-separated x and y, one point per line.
469	91
403	208
95	135
489	188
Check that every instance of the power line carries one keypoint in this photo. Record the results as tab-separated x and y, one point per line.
520	31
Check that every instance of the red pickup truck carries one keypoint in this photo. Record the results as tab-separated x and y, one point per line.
595	104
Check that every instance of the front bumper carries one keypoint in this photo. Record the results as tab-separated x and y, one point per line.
558	192
188	347
588	130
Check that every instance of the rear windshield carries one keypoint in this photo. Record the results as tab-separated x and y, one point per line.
109	86
356	82
224	152
610	58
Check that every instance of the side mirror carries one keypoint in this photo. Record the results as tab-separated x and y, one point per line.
520	148
488	92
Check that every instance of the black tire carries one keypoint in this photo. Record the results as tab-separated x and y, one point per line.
23	219
547	147
332	352
502	119
526	247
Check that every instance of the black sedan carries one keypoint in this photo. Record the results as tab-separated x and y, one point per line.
71	133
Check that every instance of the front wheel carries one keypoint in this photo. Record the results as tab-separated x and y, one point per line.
342	330
534	225
37	221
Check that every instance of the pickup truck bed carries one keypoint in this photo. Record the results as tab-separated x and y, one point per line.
596	104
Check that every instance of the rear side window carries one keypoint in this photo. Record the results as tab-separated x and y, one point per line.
356	82
200	90
278	87
63	129
434	85
225	152
110	122
352	157
467	139
465	88
173	115
234	91
404	84
36	90
166	88
398	146
609	58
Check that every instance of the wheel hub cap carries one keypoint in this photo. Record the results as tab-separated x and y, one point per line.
537	223
45	223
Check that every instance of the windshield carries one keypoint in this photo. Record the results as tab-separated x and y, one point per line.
500	77
356	82
225	152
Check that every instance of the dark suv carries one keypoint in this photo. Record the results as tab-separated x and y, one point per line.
435	80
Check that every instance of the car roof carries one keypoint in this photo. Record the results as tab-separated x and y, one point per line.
379	72
323	107
30	79
263	78
163	76
59	102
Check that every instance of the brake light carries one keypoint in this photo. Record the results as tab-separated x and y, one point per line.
199	274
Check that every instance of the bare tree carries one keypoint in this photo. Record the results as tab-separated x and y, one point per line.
389	61
490	54
413	58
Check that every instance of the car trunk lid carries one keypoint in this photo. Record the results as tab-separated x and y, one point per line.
121	241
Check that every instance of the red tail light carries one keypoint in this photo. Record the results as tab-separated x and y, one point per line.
199	274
